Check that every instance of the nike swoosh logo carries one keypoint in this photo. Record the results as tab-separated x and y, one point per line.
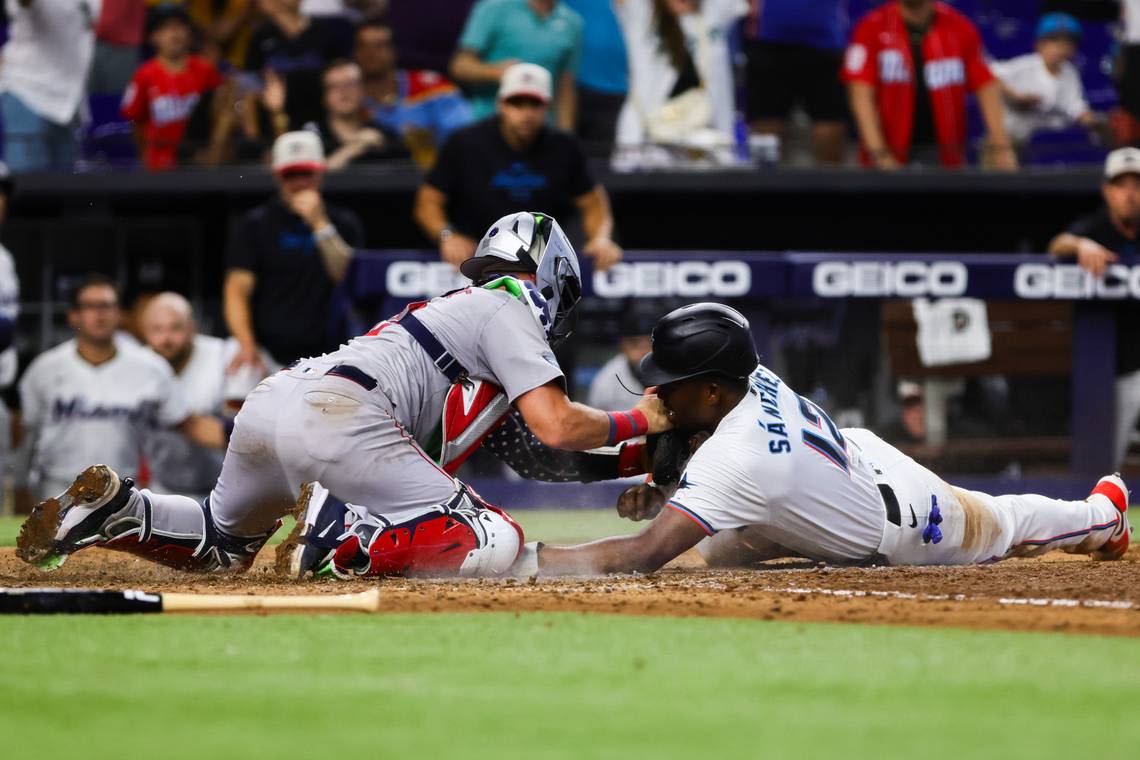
329	527
913	519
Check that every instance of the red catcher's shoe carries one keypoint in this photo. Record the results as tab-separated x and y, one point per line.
1112	487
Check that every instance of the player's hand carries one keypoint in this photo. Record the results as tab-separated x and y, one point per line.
640	502
1094	257
660	419
455	249
604	252
247	356
308	205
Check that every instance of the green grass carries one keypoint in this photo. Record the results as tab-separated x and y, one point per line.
555	685
552	525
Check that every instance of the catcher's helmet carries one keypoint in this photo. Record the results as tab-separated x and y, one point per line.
700	339
533	243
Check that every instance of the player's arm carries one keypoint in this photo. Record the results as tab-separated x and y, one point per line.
208	432
513	443
237	293
564	424
668	536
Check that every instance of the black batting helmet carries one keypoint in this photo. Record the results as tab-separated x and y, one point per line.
697	340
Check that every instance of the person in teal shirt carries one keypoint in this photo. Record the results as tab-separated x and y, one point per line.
502	32
603	79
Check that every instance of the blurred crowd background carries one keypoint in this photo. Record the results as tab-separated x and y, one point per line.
192	180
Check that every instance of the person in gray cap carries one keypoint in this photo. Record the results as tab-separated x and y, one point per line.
1108	237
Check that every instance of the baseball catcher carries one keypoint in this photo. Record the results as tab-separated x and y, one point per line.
775	478
383	423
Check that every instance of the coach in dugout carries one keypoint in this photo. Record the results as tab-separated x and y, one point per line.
509	161
95	397
1097	241
285	258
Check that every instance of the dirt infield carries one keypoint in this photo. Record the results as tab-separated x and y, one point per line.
1057	592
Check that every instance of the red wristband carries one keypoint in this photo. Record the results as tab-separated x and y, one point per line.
626	425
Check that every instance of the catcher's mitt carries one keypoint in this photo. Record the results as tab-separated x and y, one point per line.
669	452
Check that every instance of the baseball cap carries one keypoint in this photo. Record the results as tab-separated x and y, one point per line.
526	79
1122	161
298	150
1058	25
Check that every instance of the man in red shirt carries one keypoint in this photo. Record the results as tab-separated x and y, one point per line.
165	89
904	118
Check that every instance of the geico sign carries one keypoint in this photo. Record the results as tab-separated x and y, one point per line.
840	279
674	278
414	279
1070	281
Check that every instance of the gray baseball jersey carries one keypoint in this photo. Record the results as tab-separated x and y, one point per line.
490	332
79	413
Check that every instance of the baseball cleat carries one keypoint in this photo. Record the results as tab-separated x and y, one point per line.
310	546
72	520
1113	488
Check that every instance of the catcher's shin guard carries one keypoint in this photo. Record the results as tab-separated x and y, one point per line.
464	537
213	550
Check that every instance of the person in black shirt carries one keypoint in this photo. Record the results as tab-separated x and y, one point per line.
298	48
285	258
510	162
345	131
1097	241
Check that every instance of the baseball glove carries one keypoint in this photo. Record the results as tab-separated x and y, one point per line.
669	453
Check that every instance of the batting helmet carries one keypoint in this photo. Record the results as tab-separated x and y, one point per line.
700	339
532	243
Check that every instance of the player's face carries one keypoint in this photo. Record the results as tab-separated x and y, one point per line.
522	117
1122	195
374	52
344	93
168	332
171	40
96	316
692	402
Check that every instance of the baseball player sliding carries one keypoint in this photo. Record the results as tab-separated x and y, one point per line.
382	422
774	477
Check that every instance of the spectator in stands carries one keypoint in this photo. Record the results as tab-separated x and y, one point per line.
903	118
165	89
429	31
298	48
603	75
502	32
508	162
9	311
234	123
43	81
1097	242
199	365
118	37
95	399
285	258
226	27
1126	120
794	50
422	106
618	381
346	133
680	73
1042	89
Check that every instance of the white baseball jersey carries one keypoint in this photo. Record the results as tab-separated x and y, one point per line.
177	464
81	414
777	462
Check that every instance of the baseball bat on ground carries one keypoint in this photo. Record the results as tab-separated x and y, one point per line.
46	601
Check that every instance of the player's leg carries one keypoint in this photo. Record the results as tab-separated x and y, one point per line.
223	533
383	506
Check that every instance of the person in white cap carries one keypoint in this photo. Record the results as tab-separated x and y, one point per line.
509	161
1107	238
285	258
